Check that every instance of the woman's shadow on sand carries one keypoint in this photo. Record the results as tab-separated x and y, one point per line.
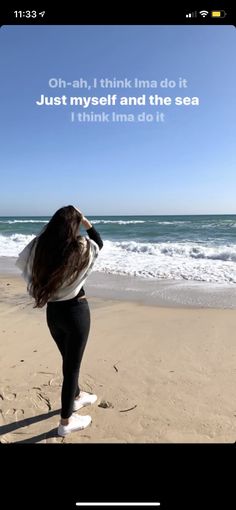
11	427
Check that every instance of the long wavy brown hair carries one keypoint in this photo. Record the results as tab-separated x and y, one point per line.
60	254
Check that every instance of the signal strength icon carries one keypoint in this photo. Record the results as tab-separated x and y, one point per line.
191	14
203	13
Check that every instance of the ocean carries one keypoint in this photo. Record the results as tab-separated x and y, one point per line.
194	248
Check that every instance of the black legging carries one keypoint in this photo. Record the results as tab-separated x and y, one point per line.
69	325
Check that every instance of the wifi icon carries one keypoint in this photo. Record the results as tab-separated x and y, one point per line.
203	13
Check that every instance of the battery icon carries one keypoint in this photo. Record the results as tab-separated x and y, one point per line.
218	14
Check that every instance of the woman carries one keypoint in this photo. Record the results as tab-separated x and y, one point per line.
55	265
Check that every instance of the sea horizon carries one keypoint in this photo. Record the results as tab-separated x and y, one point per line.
119	215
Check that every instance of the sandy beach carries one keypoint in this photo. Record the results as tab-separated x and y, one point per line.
162	375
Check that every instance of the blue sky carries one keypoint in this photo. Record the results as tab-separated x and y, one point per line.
185	165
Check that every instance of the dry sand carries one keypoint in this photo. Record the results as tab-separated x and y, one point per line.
167	375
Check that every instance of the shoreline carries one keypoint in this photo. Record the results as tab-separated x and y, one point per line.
161	293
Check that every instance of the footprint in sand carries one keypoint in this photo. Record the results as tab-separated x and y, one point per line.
9	412
4	440
2	420
7	396
55	381
88	383
19	414
41	401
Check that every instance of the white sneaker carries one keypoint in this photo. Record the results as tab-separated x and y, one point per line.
75	423
85	399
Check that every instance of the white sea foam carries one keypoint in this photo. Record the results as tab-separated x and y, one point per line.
127	222
171	222
11	246
169	261
118	222
10	222
187	261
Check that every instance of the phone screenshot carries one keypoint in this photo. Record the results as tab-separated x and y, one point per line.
117	245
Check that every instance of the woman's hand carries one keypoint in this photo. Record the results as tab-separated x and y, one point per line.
85	222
